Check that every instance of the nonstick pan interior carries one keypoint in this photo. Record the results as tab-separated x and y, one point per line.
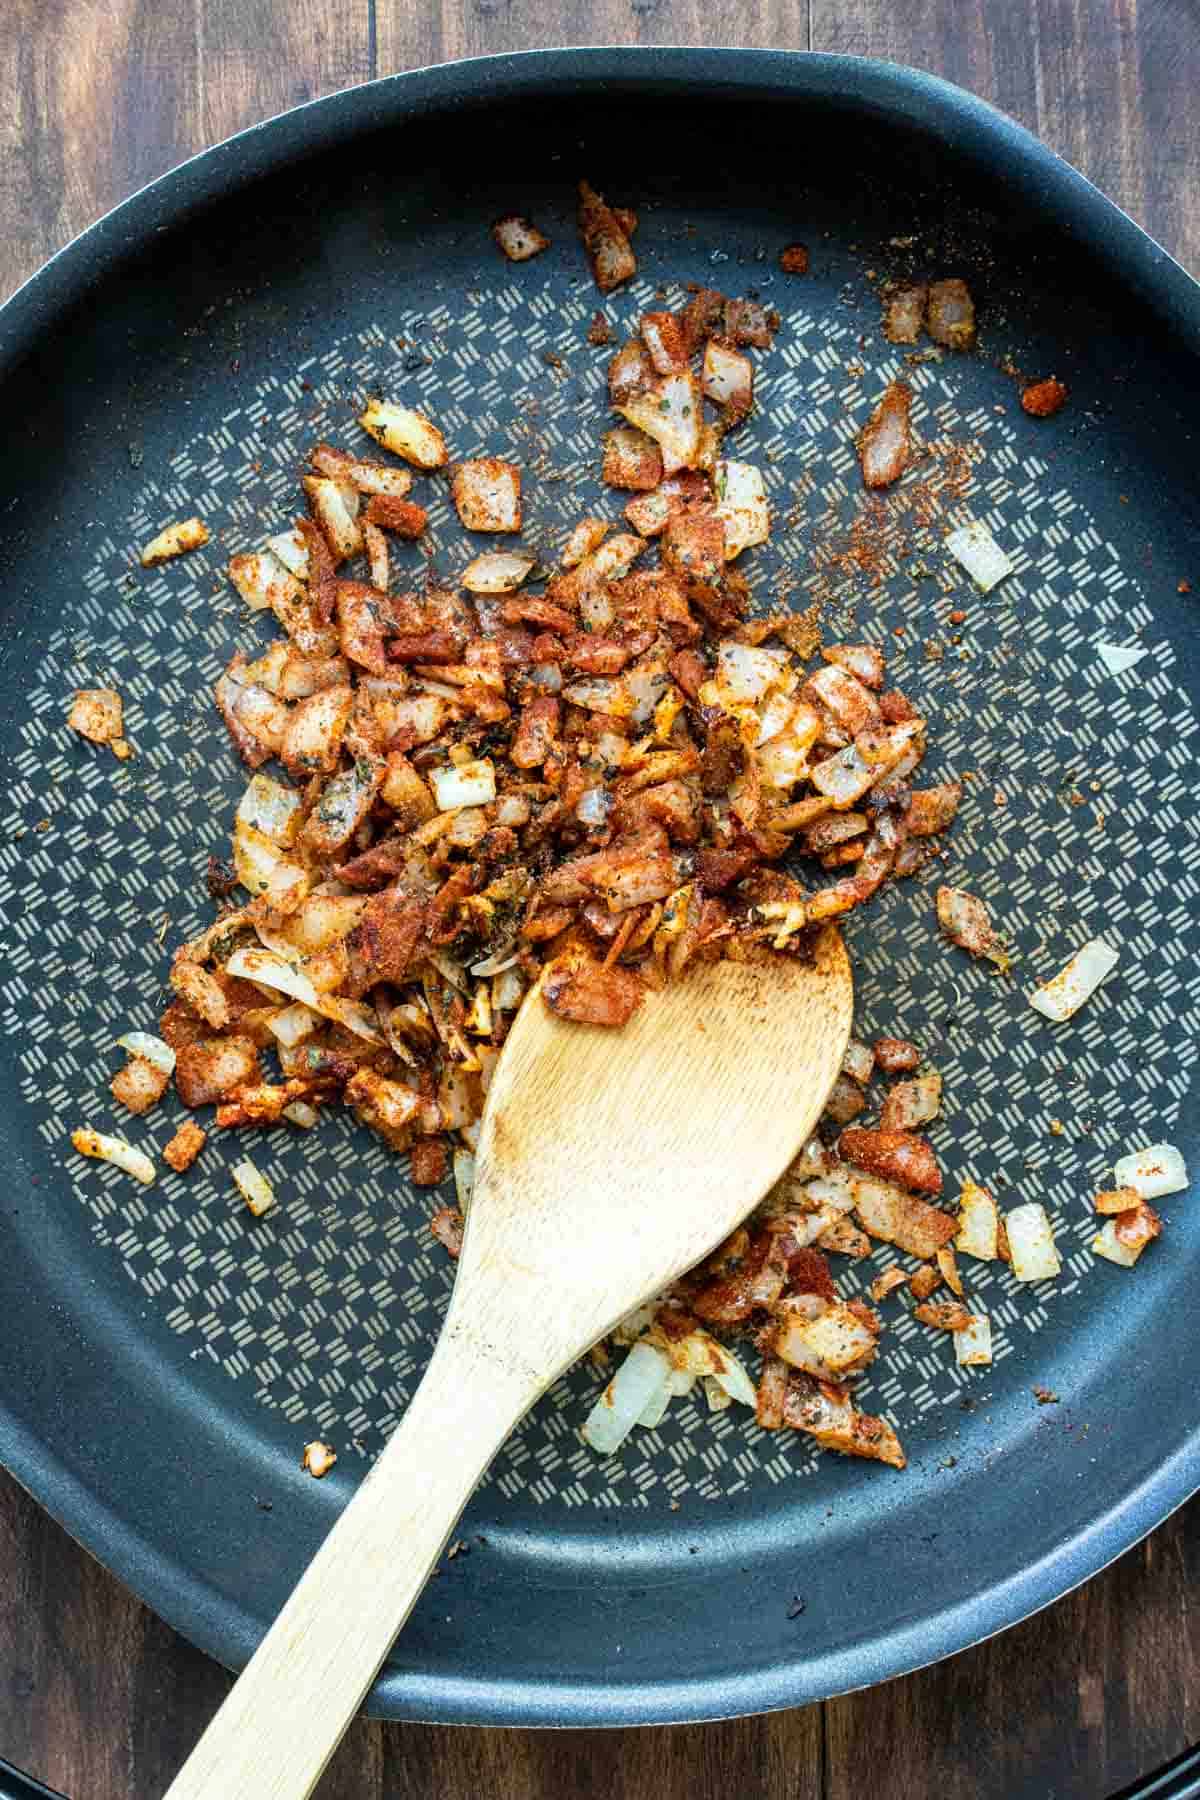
163	1359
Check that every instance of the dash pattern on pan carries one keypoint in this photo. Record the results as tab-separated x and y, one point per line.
329	1307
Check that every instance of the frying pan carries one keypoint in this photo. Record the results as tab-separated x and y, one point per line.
163	1360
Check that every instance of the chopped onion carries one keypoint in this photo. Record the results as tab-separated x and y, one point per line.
144	1043
292	551
175	540
774	716
468	784
254	1188
596	609
508	990
501	959
1119	657
271	970
299	1112
409	434
653	1413
730	1375
1065	993
1157	1170
745	672
741	507
114	1150
449	968
464	1179
292	1025
978	1223
859	1061
594	806
496	572
718	1397
269	807
259	576
1107	1244
783	762
838	1189
602	694
641	1379
355	1015
973	1345
843	777
980	555
1031	1242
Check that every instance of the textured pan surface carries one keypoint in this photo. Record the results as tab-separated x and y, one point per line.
161	1363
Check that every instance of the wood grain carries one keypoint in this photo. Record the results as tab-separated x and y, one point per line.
96	1695
1106	83
101	96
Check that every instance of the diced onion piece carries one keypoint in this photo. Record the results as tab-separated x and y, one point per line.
508	990
292	550
976	549
271	970
641	1379
671	412
496	572
973	1345
299	1112
292	1024
175	540
718	1398
1119	657
1031	1243
843	777
467	784
519	238
742	507
406	432
144	1043
320	921
1107	1244
114	1150
504	958
745	673
838	1189
729	1374
260	578
254	1187
978	1223
355	1015
271	808
1065	993
464	1179
264	870
651	1415
1157	1170
859	1061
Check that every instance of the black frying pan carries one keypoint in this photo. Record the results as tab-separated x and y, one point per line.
163	1362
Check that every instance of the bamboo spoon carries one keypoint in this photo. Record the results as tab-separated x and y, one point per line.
609	1163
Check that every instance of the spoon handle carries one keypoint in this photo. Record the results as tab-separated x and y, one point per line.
287	1712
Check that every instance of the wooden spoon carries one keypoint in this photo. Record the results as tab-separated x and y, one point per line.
609	1163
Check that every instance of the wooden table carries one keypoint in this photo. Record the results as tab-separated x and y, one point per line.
96	1695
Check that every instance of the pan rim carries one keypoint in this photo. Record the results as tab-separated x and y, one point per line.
908	96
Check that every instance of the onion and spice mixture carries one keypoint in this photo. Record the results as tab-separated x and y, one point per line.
596	783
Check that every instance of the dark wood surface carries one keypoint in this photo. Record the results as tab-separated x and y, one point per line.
96	1695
